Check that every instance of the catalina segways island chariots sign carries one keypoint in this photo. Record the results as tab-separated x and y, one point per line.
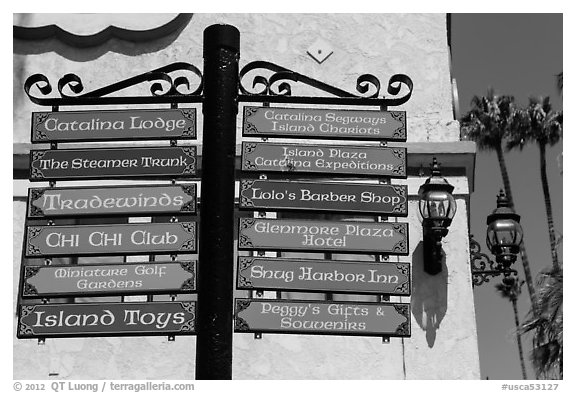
348	176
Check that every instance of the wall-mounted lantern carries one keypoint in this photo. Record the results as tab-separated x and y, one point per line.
437	208
503	237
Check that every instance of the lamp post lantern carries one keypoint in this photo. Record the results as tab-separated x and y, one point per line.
503	237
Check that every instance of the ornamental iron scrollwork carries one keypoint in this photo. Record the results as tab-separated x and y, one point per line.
164	88
483	268
277	87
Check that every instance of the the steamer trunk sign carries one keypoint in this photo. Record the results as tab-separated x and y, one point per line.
109	279
329	318
385	199
362	161
113	163
324	123
318	236
118	200
114	125
117	239
106	319
312	275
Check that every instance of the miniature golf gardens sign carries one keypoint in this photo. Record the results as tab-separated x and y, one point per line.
116	279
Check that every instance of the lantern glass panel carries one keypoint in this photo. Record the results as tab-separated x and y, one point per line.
437	205
506	232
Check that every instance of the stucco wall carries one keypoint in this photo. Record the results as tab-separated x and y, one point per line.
443	343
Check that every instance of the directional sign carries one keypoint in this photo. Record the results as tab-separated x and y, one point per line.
313	275
114	163
106	319
117	200
132	124
116	239
324	123
331	318
319	236
109	279
361	161
391	200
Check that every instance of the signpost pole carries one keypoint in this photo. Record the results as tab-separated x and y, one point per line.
216	258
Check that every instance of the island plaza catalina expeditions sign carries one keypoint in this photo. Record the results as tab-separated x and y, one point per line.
383	199
113	163
109	279
324	123
134	124
106	319
365	161
114	239
314	275
117	200
328	318
319	235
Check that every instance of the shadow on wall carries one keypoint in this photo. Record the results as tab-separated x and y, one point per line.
429	295
51	38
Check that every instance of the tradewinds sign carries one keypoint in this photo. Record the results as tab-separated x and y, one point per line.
324	123
134	124
117	200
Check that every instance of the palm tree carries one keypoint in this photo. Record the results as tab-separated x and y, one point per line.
510	289
538	123
488	123
547	326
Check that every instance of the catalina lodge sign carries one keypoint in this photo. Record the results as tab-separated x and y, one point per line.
114	125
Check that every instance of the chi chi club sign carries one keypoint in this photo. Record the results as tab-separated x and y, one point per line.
119	239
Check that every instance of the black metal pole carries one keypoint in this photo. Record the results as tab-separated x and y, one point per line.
216	244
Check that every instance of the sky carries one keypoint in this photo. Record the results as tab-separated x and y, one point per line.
518	55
